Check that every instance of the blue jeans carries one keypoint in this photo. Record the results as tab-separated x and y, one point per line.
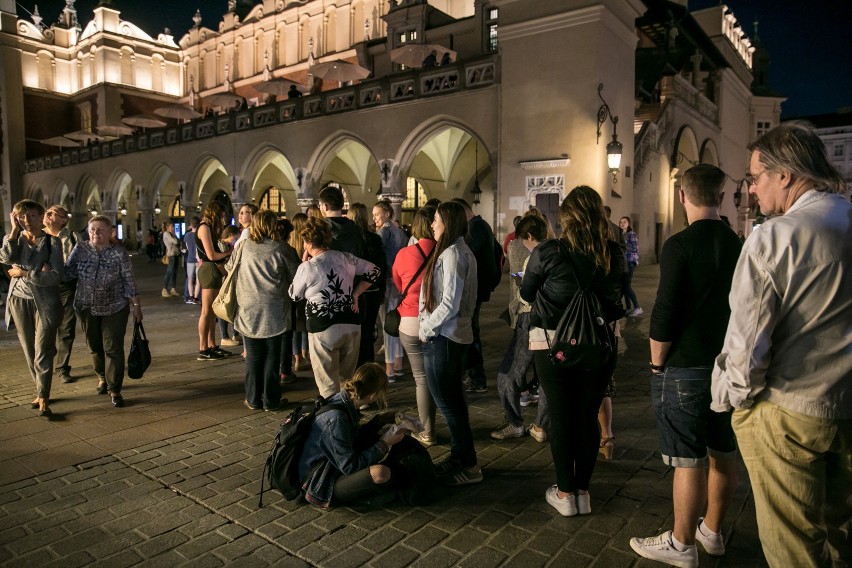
687	427
629	294
263	358
443	361
171	273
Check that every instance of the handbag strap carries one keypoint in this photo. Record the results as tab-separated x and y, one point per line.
139	330
571	265
419	270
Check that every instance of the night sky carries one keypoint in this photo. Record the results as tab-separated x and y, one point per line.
807	40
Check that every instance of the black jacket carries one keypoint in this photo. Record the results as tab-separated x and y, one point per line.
549	284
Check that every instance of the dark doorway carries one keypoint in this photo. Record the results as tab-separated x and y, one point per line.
548	203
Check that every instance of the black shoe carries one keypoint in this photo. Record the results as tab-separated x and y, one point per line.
102	387
65	376
117	401
221	352
472	386
208	355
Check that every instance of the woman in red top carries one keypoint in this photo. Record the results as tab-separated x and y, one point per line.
407	264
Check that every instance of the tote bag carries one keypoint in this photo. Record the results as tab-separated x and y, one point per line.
225	303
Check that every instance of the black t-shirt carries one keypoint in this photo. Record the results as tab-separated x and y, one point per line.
692	310
217	246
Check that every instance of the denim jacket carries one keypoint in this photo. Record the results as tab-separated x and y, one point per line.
454	287
330	451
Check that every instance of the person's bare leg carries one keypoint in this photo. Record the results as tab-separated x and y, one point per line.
207	321
721	485
689	493
605	417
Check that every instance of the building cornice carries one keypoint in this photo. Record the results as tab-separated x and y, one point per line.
580	17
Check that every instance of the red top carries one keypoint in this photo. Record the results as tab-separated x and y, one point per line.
408	260
509	238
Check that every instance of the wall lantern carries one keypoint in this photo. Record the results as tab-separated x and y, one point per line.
157	209
738	194
614	148
122	208
476	191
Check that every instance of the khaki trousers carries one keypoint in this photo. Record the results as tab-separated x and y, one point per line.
38	342
334	356
801	474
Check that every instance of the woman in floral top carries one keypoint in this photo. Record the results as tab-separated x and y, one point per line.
106	290
325	280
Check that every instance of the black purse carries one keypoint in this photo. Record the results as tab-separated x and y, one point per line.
139	358
583	341
392	318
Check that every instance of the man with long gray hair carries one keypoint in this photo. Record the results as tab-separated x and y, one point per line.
786	364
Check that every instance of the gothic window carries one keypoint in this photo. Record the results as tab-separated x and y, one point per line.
177	210
415	195
273	200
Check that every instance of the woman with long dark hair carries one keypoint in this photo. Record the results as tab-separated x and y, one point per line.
447	301
581	257
210	276
632	254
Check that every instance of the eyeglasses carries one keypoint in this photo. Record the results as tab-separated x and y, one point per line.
752	179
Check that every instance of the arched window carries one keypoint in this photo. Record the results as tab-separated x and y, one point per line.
273	200
45	70
157	72
177	210
127	57
415	195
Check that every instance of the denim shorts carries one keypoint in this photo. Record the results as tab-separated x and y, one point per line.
687	426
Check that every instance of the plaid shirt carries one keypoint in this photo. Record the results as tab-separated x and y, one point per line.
632	242
105	280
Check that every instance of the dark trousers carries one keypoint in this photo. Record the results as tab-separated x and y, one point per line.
443	361
574	398
286	366
105	340
369	309
359	488
67	328
474	350
170	278
263	359
512	377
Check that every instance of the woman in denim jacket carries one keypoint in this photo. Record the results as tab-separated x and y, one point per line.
333	468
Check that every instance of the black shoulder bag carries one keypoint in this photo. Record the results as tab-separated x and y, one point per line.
392	318
583	341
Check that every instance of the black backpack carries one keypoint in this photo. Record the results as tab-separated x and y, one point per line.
282	465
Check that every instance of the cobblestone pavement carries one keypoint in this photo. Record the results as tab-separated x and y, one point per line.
173	478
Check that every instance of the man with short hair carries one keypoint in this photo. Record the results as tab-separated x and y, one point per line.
687	329
786	363
482	243
56	224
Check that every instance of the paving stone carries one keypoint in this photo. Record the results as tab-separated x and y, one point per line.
491	521
436	558
272	531
114	544
170	558
35	559
484	557
300	517
232	531
611	558
466	539
425	538
526	558
343	537
349	558
160	525
240	547
315	553
28	504
78	541
569	558
381	540
301	537
396	557
120	560
161	543
12	534
36	540
202	525
335	518
79	558
204	561
198	546
413	521
454	519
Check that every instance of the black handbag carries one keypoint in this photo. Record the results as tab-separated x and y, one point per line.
583	341
139	358
392	318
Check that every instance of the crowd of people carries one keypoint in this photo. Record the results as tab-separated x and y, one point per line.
749	341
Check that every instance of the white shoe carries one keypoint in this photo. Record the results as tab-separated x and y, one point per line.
714	544
661	548
230	342
567	506
636	312
584	504
165	293
509	431
538	433
424	439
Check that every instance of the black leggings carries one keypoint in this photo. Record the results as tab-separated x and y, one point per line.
574	399
359	488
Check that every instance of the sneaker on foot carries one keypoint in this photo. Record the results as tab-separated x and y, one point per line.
65	377
165	293
221	352
714	544
662	549
173	292
208	355
464	476
288	378
228	342
538	433
529	400
565	506
584	504
636	312
391	378
449	465
508	431
424	438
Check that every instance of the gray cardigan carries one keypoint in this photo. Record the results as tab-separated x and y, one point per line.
43	285
264	275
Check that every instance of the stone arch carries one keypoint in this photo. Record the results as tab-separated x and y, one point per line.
35	193
709	154
209	176
89	194
266	166
686	153
348	160
685	147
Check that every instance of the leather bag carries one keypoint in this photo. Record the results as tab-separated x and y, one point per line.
139	357
225	303
392	318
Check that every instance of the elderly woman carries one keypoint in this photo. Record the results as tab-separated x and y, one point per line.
33	302
106	293
556	269
326	281
264	273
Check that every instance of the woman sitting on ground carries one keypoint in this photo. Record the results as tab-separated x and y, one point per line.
332	469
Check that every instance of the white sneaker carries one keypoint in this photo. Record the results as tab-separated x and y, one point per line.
636	312
509	431
538	433
661	548
584	504
714	544
567	506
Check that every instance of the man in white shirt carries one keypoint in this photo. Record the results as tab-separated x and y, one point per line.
786	364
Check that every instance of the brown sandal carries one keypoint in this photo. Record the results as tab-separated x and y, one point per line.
607	447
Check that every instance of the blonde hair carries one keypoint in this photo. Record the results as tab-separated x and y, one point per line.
369	379
263	224
358	213
299	220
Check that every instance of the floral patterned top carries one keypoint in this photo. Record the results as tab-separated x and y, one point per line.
104	280
325	281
